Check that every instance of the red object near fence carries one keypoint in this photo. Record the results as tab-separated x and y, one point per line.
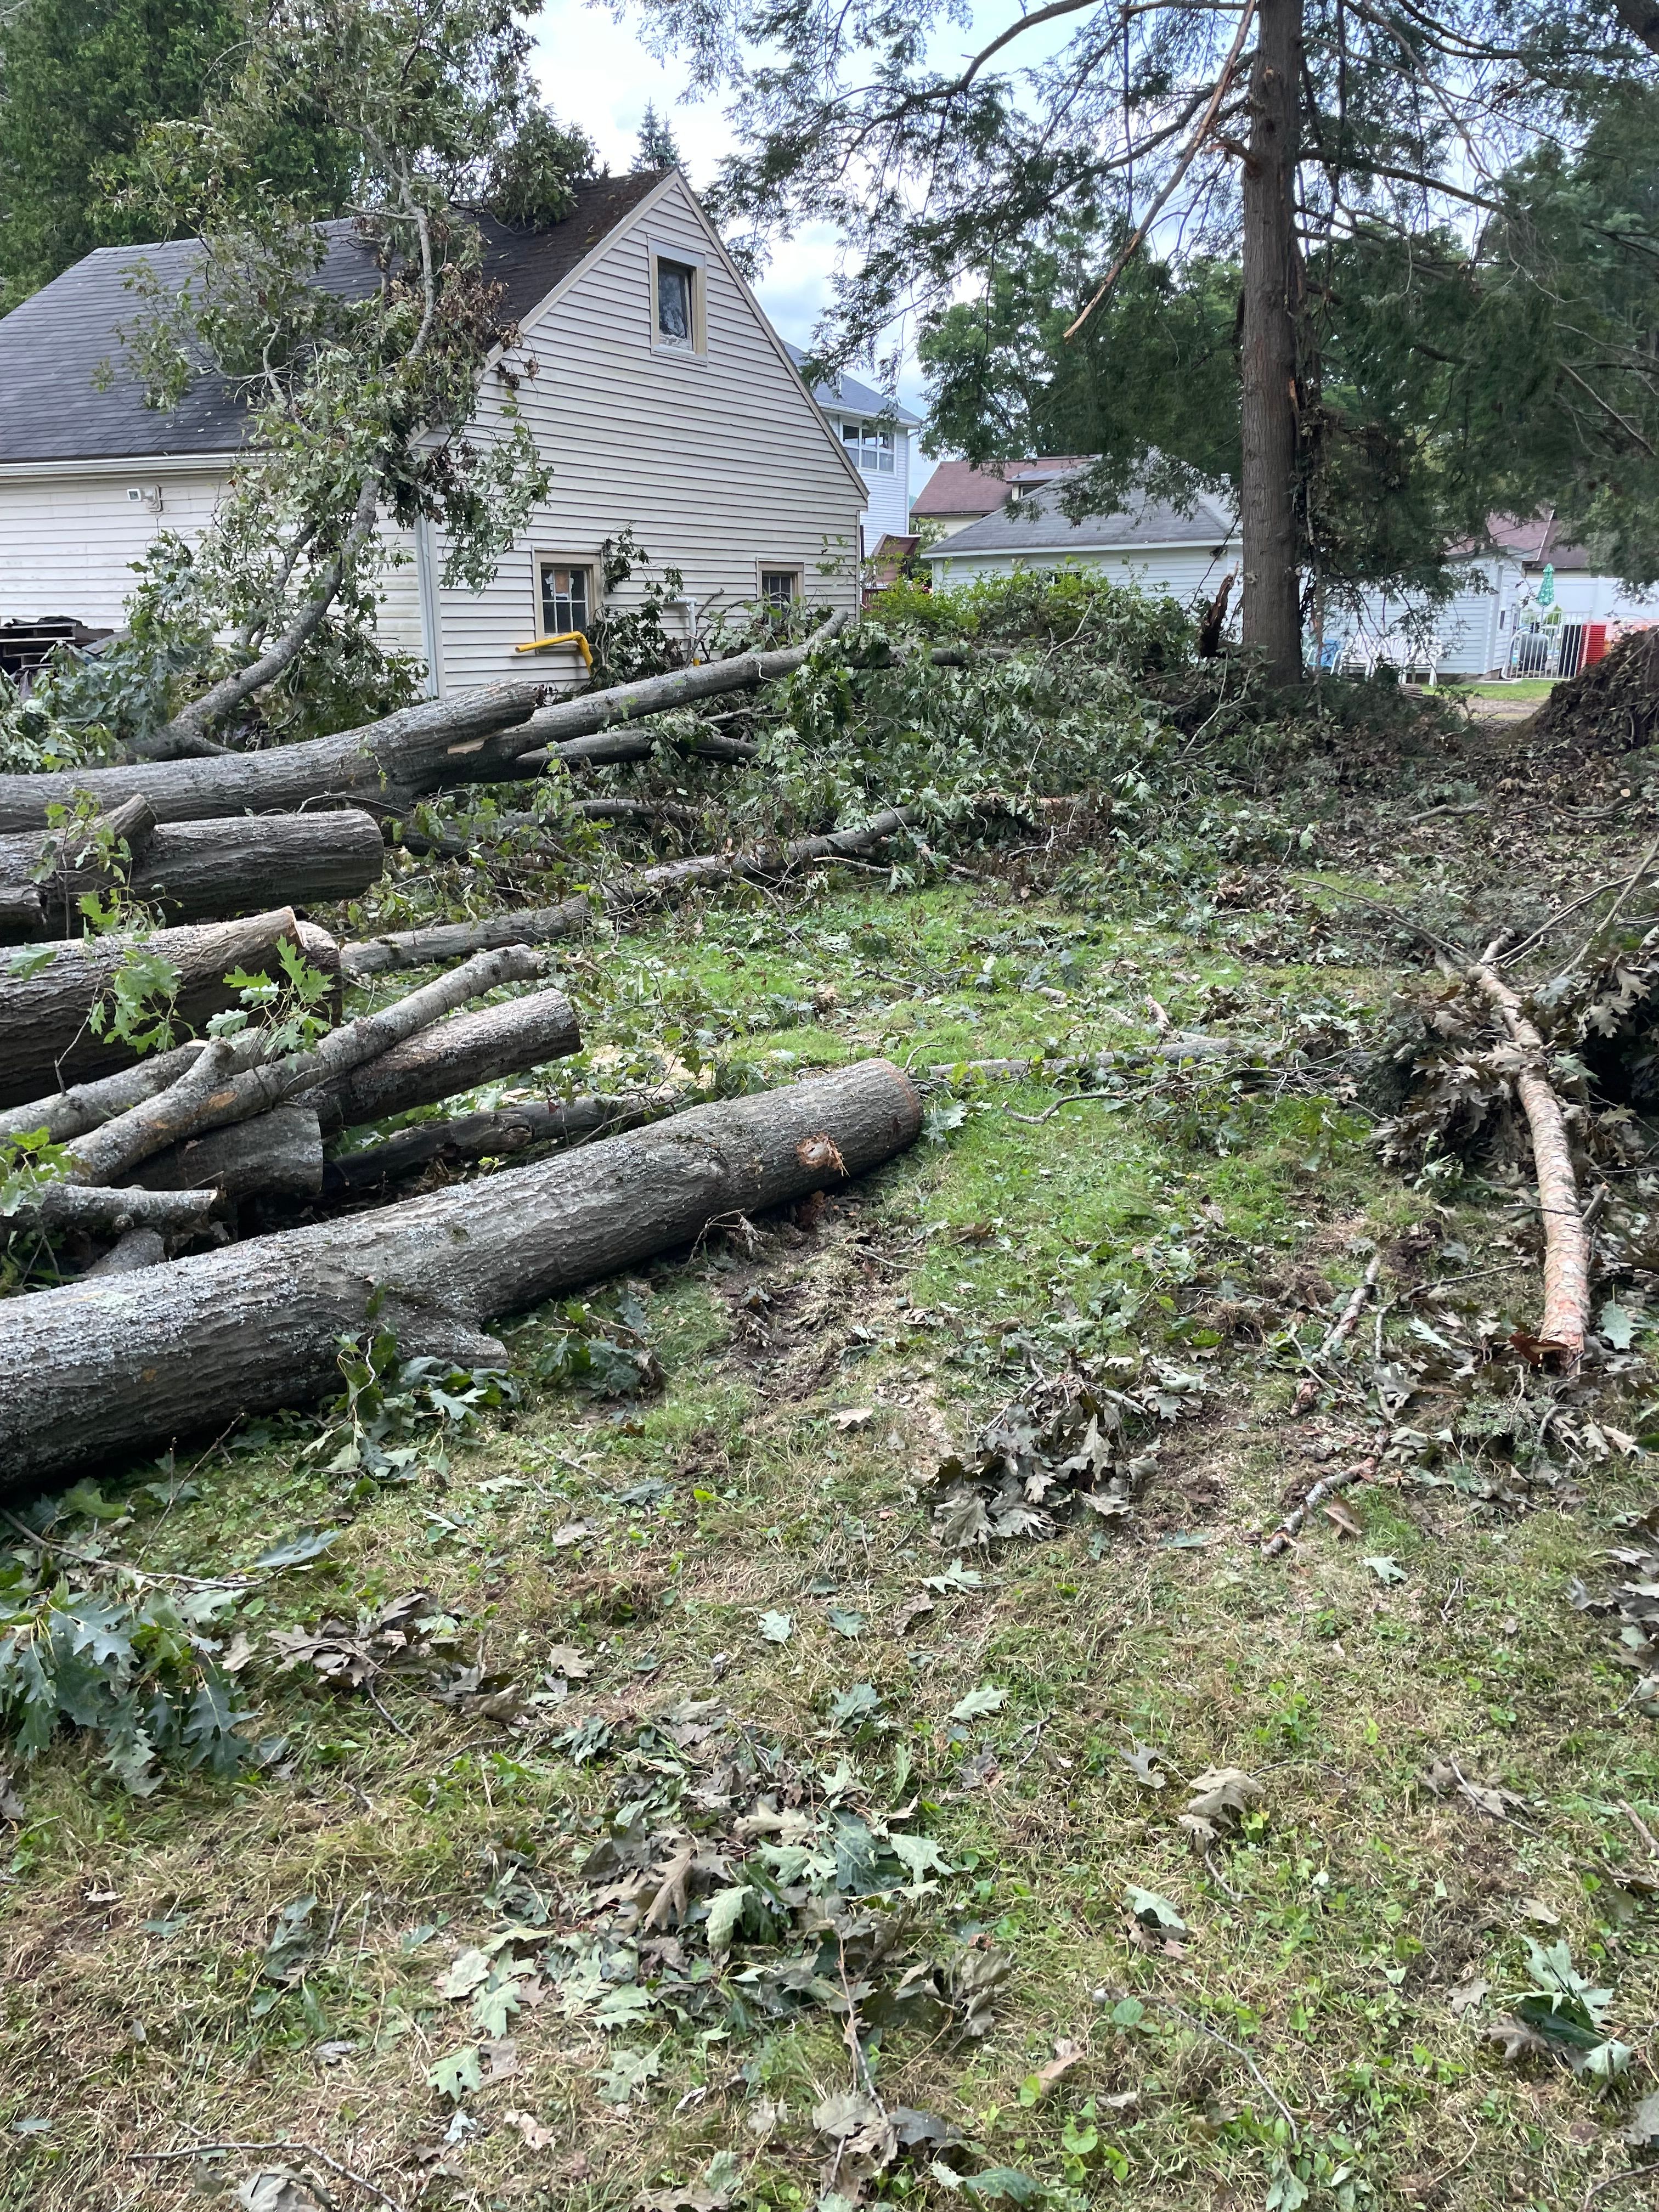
1595	643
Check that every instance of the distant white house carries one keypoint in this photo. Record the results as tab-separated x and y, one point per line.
663	400
1530	604
1146	542
877	436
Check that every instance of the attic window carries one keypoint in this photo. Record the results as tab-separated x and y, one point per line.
676	306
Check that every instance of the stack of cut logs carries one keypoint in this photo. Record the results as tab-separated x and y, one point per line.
171	1325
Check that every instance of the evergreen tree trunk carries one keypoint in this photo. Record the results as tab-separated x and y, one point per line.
1268	365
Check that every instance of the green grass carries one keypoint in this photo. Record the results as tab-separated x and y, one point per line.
1518	687
1182	1221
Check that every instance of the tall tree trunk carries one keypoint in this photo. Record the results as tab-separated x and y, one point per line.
1269	366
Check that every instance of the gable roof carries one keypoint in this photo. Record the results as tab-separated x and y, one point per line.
849	396
1035	524
965	488
52	346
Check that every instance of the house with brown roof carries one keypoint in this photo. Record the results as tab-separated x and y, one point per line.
959	493
663	400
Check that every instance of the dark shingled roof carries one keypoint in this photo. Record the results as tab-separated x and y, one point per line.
50	348
1036	524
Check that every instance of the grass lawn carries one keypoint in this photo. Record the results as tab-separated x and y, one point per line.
1519	687
461	1944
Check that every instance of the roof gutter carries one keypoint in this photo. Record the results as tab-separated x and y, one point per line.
121	465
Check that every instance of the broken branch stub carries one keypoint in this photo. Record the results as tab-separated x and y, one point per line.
98	1369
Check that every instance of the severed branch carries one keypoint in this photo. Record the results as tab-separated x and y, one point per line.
1566	1242
1291	1526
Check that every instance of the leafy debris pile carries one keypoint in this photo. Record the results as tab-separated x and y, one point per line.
1069	1440
1634	1602
729	1887
1601	1023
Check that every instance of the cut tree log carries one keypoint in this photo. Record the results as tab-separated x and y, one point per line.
92	1206
472	737
280	1155
96	1370
239	865
221	1088
1565	1322
455	940
508	1130
44	1012
452	1055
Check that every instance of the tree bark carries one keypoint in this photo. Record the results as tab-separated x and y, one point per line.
65	1113
239	864
138	1247
97	1205
455	940
44	1015
476	737
280	1156
509	1129
453	1055
94	1370
1269	361
222	1088
1566	1241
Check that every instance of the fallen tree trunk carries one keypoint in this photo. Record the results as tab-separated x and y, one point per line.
95	1205
137	1247
242	863
508	1130
611	748
1566	1319
44	1012
99	1368
455	940
472	737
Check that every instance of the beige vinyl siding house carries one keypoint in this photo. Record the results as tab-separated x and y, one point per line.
708	446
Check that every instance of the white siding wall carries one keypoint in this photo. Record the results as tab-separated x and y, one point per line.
68	542
889	509
720	462
1182	572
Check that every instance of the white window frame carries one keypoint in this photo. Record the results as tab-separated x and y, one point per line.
866	451
657	252
765	568
543	559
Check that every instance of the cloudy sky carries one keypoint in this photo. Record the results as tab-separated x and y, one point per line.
595	72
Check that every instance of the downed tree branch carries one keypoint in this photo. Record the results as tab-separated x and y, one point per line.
94	1205
1291	1526
65	1114
94	1370
221	1088
190	871
472	737
452	1055
46	1008
1347	1321
134	1248
508	1130
1565	1322
455	940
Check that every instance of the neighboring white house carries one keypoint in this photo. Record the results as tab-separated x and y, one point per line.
1145	542
878	436
662	399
